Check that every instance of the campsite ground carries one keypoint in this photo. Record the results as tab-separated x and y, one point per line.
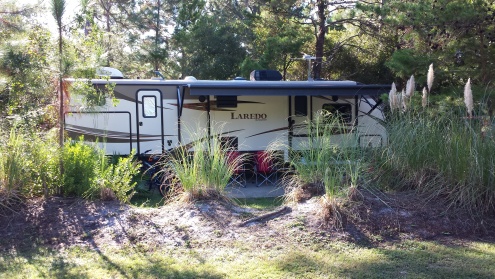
384	235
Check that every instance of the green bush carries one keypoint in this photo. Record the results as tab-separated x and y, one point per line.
116	178
44	165
81	162
89	173
30	166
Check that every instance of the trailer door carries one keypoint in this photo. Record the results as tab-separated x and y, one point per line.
149	121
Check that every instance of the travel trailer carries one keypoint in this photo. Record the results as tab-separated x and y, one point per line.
159	115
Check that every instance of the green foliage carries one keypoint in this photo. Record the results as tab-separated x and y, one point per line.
15	18
453	34
406	62
29	167
210	48
119	177
81	162
25	69
89	173
329	162
328	146
89	96
28	164
12	176
58	9
277	40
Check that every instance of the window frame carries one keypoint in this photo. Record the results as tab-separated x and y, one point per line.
144	109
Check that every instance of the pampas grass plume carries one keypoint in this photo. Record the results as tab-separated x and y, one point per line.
404	100
468	98
430	77
410	86
424	100
392	97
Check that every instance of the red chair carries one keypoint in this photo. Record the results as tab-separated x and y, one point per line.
235	160
264	168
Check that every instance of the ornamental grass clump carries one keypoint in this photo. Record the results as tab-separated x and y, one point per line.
327	163
12	175
331	202
28	165
201	169
447	156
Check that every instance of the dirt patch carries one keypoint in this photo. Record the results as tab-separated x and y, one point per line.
374	219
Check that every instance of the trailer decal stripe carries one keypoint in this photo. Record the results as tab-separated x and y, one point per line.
75	131
269	131
202	106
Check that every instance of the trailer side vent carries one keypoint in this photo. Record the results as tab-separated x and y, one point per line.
226	101
265	75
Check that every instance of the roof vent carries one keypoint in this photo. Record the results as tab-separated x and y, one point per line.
190	78
265	75
109	72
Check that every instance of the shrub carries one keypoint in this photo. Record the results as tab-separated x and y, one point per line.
80	167
115	180
89	173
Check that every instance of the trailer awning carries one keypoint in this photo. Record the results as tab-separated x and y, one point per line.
287	88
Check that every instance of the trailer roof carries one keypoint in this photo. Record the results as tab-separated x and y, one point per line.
262	88
286	88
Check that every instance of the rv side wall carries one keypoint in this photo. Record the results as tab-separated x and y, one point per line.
255	123
148	115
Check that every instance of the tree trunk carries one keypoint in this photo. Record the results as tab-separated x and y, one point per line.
61	108
61	90
157	34
320	38
107	17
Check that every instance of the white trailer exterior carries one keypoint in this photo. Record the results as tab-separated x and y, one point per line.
161	114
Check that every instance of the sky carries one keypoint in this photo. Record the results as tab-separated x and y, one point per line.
45	17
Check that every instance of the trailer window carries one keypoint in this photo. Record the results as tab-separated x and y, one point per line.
226	101
342	110
301	105
149	107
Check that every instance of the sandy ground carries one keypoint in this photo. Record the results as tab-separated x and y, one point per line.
374	219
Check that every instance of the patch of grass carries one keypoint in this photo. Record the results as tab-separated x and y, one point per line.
146	198
411	259
260	203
